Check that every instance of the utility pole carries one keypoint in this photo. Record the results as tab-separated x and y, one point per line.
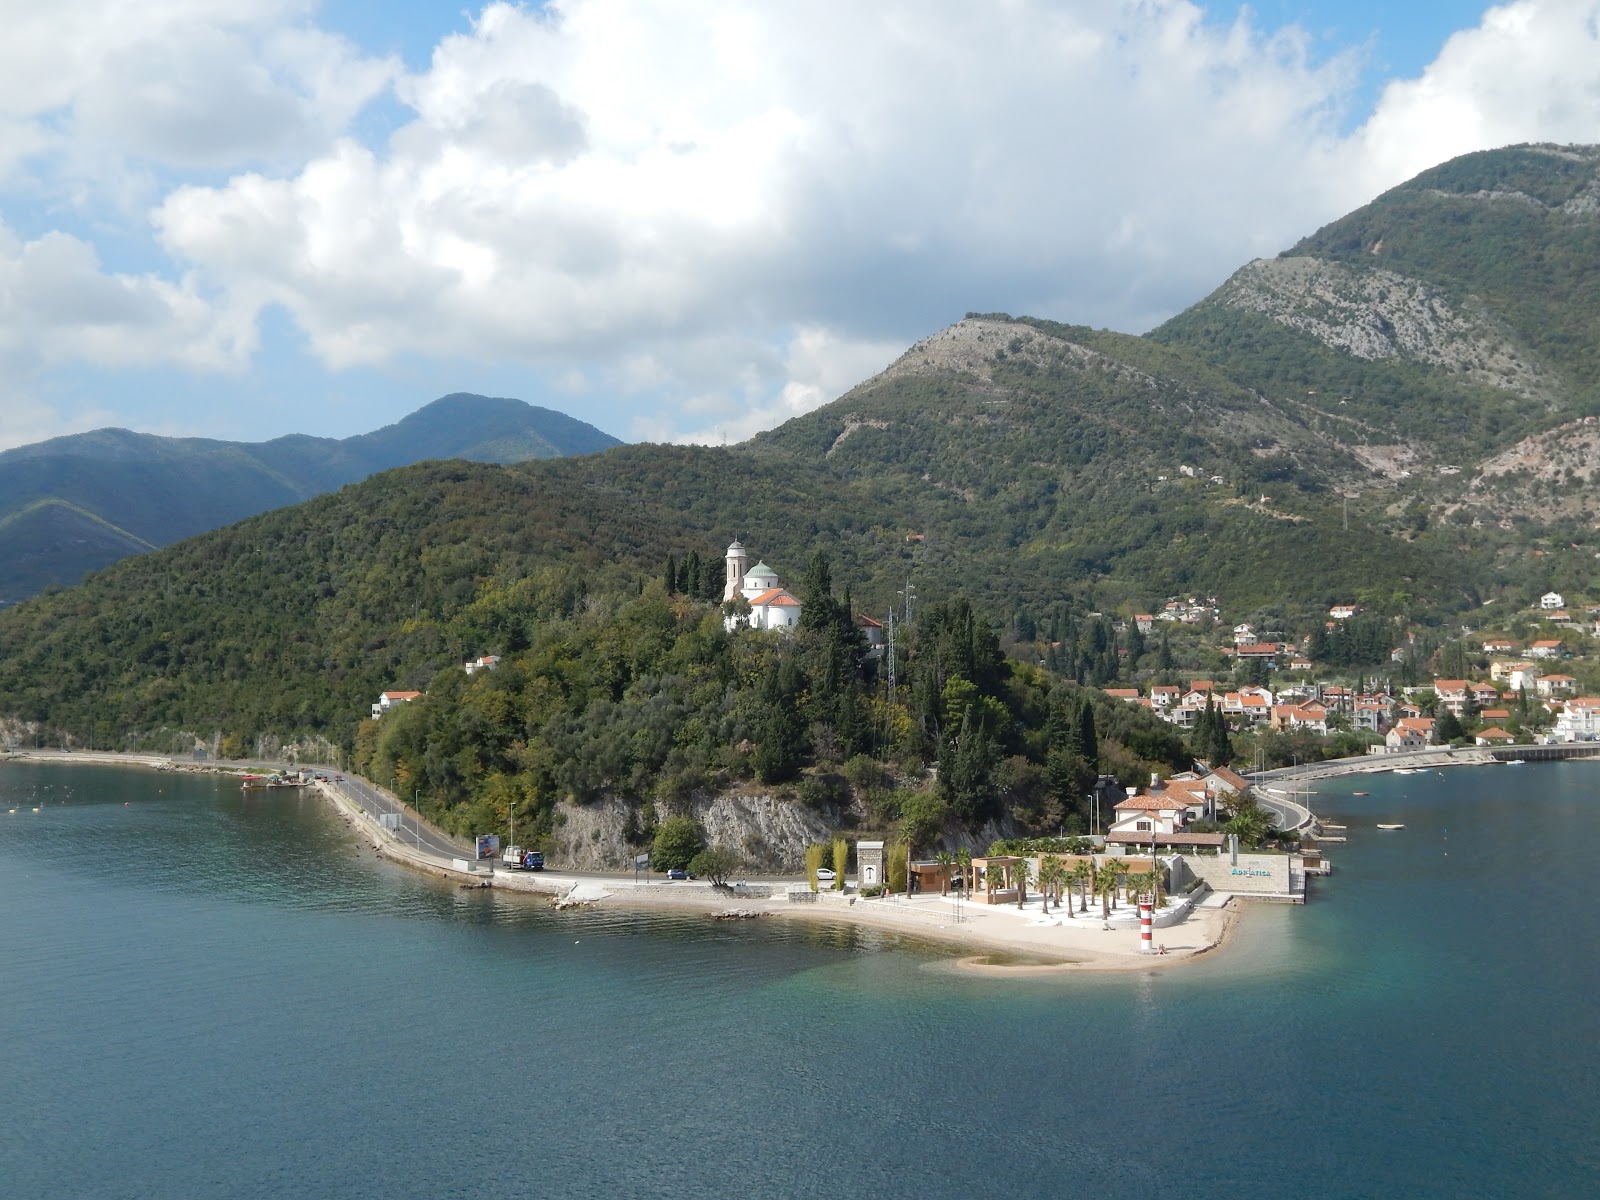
891	658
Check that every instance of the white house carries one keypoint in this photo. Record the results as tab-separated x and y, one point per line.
1410	733
1579	721
771	607
486	663
388	700
1552	600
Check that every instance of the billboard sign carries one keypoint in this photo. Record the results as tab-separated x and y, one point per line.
488	845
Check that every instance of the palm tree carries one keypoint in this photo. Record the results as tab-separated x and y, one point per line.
1052	874
964	861
1106	885
944	858
1080	875
1019	876
994	876
1117	870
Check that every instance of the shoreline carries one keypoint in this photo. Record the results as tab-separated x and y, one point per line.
1064	946
1038	944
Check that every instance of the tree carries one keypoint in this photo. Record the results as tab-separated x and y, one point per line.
922	816
1105	883
964	861
1019	877
841	860
1447	727
1052	875
898	866
1080	875
994	877
945	860
715	864
1088	736
678	840
1251	823
1116	870
814	856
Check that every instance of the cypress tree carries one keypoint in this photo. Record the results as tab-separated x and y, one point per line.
1088	739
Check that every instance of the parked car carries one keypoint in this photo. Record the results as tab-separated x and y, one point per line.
825	874
677	873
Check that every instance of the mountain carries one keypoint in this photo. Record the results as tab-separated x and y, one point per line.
75	504
1396	412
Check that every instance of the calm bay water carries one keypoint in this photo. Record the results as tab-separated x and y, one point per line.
210	994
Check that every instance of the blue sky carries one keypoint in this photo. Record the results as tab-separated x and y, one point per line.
681	221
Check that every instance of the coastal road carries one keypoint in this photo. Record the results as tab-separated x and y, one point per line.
411	832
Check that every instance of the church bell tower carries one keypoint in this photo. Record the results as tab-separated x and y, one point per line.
738	562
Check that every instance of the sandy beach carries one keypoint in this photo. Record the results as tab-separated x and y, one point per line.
994	940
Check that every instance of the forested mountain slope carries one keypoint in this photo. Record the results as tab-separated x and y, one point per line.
1259	448
74	504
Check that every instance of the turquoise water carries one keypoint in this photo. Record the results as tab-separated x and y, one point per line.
207	993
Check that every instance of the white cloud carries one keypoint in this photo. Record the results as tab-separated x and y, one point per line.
596	181
725	213
58	306
26	418
97	97
1530	71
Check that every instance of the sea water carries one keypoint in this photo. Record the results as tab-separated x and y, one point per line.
206	992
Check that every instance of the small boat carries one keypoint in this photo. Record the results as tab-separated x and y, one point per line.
1360	793
1409	770
1391	826
1515	762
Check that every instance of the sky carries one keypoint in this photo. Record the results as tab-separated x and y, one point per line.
680	220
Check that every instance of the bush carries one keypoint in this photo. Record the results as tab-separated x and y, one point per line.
678	840
823	792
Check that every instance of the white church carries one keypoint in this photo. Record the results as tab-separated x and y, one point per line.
770	606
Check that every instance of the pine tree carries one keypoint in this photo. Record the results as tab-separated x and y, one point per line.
691	575
670	575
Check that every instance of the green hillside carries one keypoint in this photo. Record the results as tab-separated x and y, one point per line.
1376	416
157	490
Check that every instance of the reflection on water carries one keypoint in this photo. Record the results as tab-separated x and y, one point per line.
208	992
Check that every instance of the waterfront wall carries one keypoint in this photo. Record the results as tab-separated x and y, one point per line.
1267	874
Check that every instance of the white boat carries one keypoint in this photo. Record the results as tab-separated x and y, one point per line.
1409	770
1515	762
1390	826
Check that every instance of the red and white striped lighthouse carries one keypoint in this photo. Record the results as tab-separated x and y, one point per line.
1147	908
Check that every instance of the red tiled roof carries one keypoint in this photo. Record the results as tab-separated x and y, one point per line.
774	598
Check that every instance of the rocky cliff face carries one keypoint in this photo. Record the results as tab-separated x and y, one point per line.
1375	313
770	834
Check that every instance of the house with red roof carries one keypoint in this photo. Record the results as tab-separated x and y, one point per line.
1410	733
387	700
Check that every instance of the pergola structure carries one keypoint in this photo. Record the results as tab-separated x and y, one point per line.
1003	891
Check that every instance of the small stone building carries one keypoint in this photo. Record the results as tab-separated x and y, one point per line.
871	866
